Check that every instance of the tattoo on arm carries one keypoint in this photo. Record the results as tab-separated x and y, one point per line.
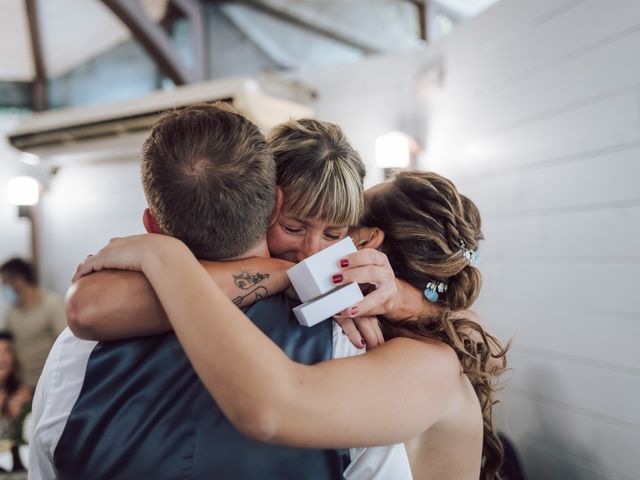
245	280
249	281
259	292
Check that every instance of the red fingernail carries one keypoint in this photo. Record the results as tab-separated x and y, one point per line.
344	263
337	278
354	310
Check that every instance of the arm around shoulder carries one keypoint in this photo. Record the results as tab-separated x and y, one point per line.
388	395
116	304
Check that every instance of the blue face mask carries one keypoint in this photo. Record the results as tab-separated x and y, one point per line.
9	295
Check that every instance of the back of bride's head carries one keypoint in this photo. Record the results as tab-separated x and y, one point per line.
431	235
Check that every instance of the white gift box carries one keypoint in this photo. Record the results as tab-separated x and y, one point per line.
315	311
312	277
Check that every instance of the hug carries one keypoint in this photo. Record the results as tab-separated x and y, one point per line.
184	360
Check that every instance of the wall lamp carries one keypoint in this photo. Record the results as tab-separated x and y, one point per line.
396	151
24	193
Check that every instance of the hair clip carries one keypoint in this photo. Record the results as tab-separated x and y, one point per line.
433	290
471	255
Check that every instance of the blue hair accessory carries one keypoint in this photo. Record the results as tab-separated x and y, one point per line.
471	255
433	290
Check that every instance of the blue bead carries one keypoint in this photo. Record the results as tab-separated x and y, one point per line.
431	295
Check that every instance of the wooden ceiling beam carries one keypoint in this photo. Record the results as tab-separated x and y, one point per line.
39	84
157	42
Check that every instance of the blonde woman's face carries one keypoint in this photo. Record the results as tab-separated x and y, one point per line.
294	239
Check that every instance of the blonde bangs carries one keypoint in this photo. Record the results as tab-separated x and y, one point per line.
337	197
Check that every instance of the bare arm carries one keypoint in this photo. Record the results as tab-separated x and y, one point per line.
268	396
116	304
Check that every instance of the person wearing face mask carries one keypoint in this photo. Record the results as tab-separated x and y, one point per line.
35	317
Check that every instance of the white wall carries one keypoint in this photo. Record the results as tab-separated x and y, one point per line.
538	121
85	206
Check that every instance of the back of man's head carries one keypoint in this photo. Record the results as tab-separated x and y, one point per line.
209	179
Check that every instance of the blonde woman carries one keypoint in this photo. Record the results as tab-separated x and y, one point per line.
428	385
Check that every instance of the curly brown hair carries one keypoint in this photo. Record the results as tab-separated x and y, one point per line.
424	219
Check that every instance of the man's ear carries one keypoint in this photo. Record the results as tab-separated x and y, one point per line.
277	208
370	237
149	222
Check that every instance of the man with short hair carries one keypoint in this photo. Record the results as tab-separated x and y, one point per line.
35	318
135	409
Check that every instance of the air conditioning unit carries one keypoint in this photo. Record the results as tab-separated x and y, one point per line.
117	131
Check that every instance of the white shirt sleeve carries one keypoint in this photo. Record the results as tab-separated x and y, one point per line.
371	463
56	393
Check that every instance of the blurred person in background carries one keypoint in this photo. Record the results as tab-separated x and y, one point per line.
35	317
14	395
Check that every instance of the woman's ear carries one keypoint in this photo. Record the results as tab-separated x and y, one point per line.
277	206
369	237
149	222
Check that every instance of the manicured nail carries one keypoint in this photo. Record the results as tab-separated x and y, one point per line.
344	263
337	278
354	310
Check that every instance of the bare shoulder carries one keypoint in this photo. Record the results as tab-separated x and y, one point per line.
426	357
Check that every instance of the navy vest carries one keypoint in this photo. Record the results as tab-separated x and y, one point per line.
143	414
